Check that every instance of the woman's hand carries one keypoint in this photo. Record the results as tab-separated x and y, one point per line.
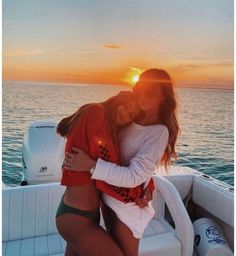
143	201
78	161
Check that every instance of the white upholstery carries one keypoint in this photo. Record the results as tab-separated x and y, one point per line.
183	183
165	244
36	246
29	220
159	239
29	223
30	211
215	197
206	192
166	193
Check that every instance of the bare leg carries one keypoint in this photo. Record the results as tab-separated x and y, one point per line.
85	237
120	232
69	251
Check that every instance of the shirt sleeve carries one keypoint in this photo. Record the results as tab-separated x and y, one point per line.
141	166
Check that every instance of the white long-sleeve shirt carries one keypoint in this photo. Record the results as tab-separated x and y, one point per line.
141	149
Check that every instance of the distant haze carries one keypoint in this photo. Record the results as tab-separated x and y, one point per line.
100	41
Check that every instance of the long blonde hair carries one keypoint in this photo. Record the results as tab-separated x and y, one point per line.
168	109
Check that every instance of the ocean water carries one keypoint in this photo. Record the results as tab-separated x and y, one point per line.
206	141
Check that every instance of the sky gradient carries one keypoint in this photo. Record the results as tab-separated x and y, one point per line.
107	41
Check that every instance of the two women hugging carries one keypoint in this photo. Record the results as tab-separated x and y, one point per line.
112	150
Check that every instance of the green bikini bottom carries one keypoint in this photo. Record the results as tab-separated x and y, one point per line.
91	214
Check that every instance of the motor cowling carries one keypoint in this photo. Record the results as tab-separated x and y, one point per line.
43	153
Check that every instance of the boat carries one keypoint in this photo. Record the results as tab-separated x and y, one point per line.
194	212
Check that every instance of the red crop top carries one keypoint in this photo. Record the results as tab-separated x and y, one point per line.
93	135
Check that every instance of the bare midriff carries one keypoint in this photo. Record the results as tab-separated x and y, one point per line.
84	197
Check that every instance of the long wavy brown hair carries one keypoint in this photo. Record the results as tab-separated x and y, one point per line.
66	124
168	108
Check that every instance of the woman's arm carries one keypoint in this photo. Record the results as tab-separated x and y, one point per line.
141	166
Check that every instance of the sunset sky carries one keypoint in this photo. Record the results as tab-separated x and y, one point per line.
106	41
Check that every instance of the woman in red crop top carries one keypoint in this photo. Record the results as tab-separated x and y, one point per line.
93	129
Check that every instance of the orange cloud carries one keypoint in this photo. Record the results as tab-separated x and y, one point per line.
112	46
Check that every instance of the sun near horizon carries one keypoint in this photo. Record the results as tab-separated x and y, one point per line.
78	42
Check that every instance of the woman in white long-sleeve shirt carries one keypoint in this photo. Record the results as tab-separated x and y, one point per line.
144	144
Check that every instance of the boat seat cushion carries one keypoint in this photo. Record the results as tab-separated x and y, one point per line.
183	184
215	197
30	211
159	239
36	246
29	225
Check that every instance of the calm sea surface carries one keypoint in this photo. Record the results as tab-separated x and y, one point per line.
205	115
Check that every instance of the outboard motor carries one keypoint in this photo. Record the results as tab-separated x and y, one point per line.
43	153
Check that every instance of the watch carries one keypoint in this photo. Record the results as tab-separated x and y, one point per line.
92	169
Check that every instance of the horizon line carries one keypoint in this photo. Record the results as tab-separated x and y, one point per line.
110	84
